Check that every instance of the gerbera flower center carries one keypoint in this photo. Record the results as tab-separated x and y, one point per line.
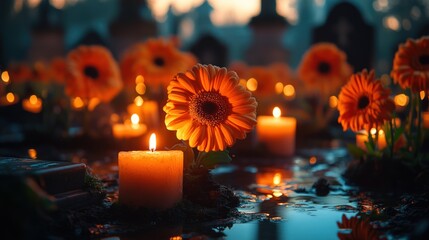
363	102
159	61
424	59
91	72
324	67
209	108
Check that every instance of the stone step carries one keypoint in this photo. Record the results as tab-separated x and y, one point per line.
63	180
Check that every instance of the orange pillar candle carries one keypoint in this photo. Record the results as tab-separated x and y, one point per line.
150	179
381	140
278	133
32	104
361	138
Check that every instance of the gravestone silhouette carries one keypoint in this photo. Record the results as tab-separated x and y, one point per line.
268	29
209	50
91	38
424	31
346	28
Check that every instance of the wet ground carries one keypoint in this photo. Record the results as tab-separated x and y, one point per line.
279	200
301	197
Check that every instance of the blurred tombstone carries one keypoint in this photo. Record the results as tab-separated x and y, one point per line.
91	38
131	26
88	22
209	50
15	25
47	35
346	28
268	29
424	31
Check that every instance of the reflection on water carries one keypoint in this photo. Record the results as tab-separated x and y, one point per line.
283	202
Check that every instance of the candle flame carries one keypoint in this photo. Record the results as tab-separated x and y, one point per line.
277	178
289	90
33	99
5	77
422	95
252	84
138	101
135	119
401	100
10	97
78	102
279	87
373	131
277	112
152	142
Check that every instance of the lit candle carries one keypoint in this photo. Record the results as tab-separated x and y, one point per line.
425	117
150	179
381	140
362	137
77	103
129	129
278	133
32	104
9	99
136	106
151	113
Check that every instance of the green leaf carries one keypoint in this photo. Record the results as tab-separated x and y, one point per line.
211	159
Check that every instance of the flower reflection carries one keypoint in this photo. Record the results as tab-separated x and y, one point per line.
360	229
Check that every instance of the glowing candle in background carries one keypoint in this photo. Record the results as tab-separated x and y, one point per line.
278	133
77	103
9	99
32	104
151	114
381	140
362	137
129	129
150	179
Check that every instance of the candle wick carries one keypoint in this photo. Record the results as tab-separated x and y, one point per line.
152	149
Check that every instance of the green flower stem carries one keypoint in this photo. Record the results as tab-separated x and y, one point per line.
411	125
419	125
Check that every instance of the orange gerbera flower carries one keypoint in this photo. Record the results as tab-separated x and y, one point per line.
324	68
266	79
207	106
283	72
411	65
364	103
157	60
58	69
92	73
40	72
20	72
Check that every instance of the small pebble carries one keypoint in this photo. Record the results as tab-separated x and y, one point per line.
322	187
